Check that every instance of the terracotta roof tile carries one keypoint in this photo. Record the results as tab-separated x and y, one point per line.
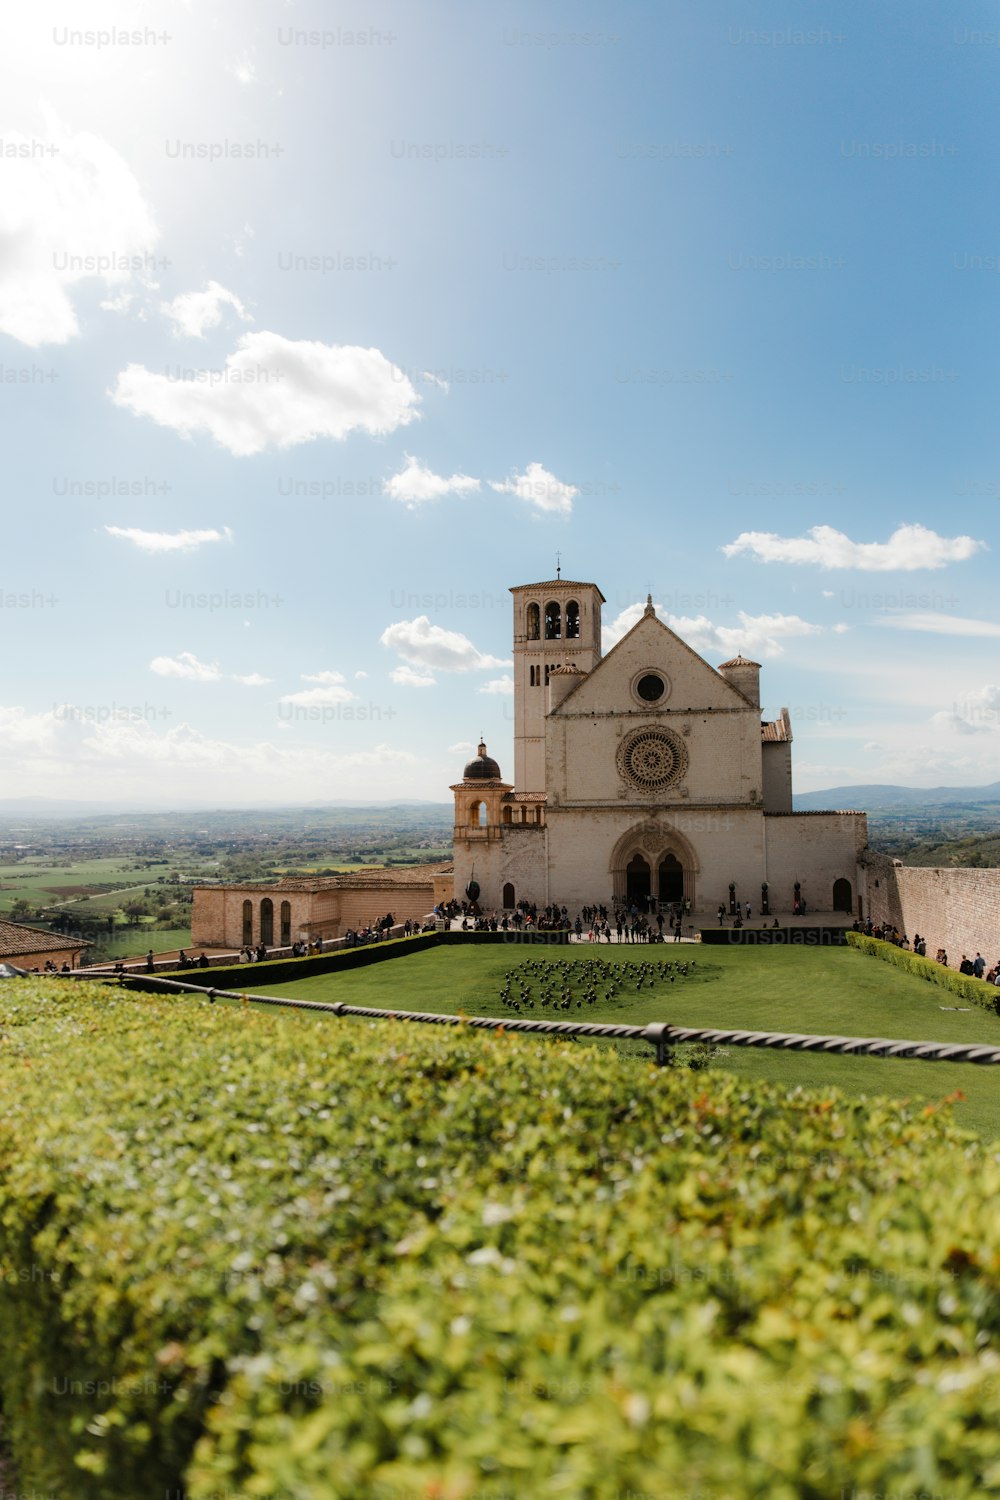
778	731
15	939
348	880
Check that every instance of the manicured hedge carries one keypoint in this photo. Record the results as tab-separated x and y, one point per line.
247	1254
282	970
976	990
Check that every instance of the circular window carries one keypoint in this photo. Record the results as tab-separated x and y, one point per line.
651	759
650	687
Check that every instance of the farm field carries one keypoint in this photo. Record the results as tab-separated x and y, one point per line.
51	882
837	991
48	881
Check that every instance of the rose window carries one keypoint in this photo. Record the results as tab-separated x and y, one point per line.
651	759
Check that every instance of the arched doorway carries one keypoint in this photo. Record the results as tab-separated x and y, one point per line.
267	922
247	923
842	896
508	896
286	924
671	886
658	860
638	882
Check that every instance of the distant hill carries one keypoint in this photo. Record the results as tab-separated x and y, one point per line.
868	798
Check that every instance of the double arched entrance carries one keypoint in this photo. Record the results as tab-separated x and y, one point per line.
651	864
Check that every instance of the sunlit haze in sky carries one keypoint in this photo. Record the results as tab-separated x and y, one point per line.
321	325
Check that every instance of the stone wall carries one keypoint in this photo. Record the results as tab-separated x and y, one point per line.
57	956
954	909
815	849
326	912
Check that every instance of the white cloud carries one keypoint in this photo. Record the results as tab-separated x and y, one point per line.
463	747
498	685
321	697
254	679
540	488
433	379
908	548
432	647
168	541
940	624
414	484
192	312
57	753
407	677
276	392
187	665
330	692
359	675
977	712
70	211
759	635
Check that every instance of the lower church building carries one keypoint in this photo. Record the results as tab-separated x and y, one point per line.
643	775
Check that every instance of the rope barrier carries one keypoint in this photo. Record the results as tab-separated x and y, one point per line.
658	1033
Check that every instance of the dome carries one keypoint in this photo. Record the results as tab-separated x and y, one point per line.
483	768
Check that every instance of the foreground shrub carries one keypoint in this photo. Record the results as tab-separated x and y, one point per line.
968	988
258	1254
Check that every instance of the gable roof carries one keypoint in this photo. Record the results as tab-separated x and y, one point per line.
16	939
557	583
647	615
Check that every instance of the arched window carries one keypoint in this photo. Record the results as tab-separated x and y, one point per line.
572	620
247	923
553	621
505	815
508	896
534	630
286	924
267	922
479	815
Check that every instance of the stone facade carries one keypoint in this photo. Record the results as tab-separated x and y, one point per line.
279	913
954	909
643	773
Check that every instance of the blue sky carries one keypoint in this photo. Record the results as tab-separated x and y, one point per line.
322	325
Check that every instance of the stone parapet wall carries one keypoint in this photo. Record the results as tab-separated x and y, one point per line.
954	909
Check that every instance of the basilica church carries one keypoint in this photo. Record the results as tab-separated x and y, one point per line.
643	775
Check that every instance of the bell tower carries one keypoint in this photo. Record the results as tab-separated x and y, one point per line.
556	623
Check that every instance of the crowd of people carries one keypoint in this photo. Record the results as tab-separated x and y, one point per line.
595	924
973	968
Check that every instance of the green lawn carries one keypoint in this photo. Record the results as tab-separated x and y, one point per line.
812	990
